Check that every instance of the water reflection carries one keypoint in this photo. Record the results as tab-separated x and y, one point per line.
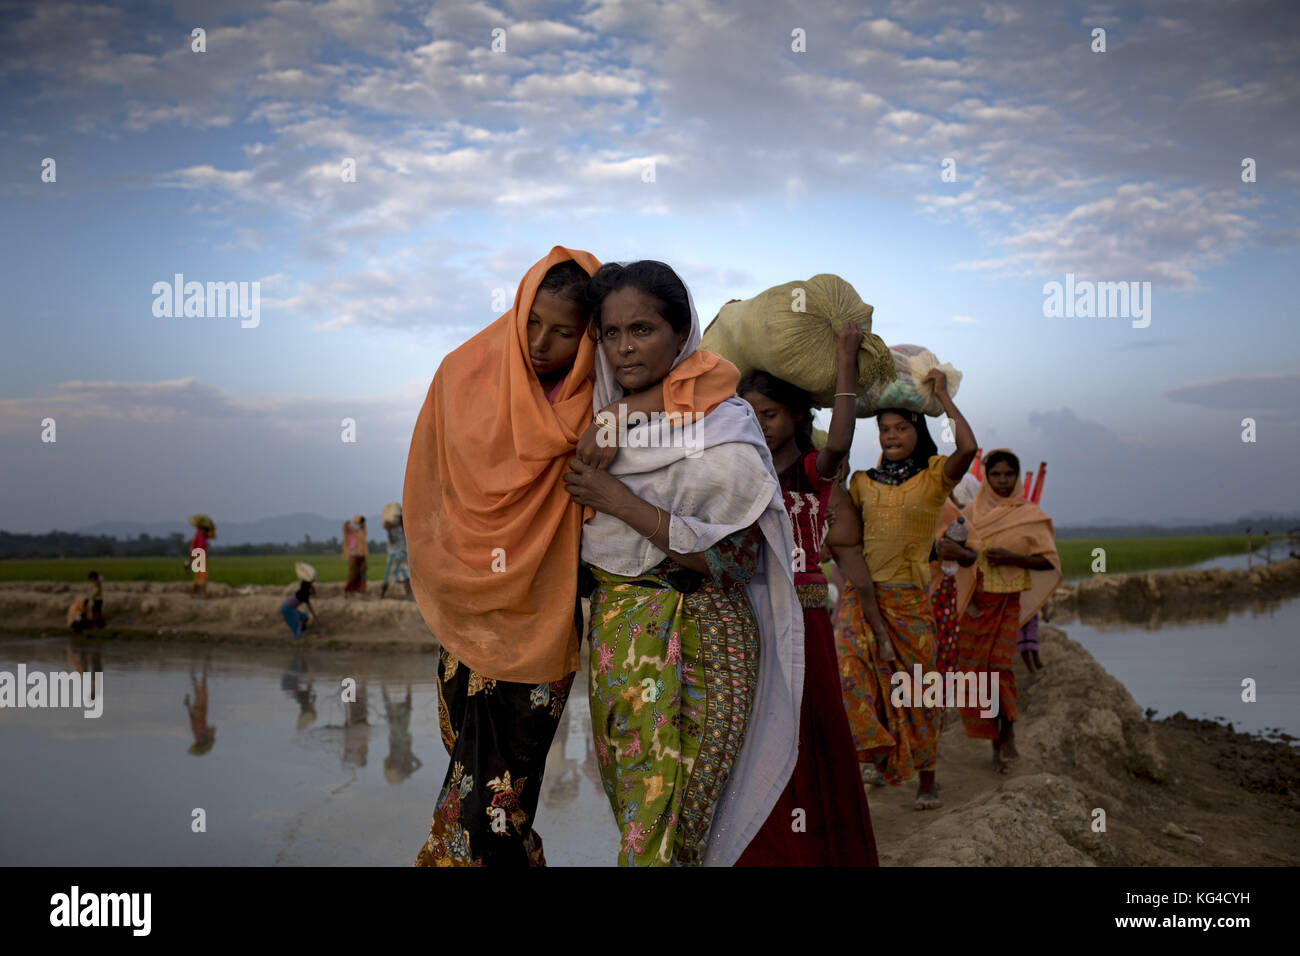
401	761
296	682
204	736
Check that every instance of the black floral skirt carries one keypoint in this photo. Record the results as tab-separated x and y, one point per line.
498	734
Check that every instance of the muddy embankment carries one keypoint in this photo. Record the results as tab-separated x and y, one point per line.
136	610
1152	598
1173	792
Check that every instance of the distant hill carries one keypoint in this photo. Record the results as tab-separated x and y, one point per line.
281	529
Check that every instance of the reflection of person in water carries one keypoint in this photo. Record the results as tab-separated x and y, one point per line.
356	730
204	736
82	661
400	762
297	684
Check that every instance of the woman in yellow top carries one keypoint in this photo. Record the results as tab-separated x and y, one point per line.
885	623
1017	569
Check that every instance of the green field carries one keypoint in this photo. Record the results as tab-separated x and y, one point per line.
1150	554
236	570
1122	554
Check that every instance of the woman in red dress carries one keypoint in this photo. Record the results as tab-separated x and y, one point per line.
822	818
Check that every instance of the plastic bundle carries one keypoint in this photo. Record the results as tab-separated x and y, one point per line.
908	388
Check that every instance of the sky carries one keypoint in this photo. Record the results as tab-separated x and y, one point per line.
785	139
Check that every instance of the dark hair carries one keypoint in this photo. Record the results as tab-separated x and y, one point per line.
925	447
566	279
1000	455
794	398
655	279
93	574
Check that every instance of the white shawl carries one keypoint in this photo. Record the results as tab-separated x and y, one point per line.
721	482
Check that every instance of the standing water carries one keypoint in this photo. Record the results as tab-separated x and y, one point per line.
283	770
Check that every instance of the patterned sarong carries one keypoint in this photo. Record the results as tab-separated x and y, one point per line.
987	642
899	740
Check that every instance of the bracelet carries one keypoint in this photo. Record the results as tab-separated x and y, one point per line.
849	394
659	517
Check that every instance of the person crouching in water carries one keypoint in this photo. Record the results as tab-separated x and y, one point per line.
882	539
289	610
1017	569
825	783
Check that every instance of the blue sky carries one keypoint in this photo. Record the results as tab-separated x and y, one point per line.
770	165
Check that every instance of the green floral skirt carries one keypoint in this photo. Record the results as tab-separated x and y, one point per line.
672	685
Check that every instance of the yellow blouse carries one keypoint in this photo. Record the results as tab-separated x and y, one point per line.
899	523
993	581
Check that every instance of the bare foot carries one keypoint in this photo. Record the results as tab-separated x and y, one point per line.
927	801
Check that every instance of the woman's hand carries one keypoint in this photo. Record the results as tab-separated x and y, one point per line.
950	550
1001	556
847	342
590	451
594	488
939	379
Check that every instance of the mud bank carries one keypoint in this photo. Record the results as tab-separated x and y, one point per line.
1154	597
149	610
1173	792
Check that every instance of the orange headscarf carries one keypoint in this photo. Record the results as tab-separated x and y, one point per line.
492	535
1017	524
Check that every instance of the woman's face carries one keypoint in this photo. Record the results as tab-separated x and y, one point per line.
555	330
1001	478
638	341
897	436
774	418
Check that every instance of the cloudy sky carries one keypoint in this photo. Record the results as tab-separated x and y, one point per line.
770	164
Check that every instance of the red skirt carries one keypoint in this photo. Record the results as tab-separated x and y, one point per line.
834	828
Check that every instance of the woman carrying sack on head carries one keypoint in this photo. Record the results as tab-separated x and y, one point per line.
885	624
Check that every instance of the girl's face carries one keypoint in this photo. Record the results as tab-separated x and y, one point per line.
775	419
555	330
897	436
638	341
1001	478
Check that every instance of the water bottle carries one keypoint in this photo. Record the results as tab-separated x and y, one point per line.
958	532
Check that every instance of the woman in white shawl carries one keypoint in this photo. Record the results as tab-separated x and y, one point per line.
696	631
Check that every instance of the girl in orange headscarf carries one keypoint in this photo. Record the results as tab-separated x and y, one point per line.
493	540
1017	568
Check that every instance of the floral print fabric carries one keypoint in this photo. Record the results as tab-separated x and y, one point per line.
498	734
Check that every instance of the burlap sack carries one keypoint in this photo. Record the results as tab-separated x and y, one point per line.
789	331
908	390
391	514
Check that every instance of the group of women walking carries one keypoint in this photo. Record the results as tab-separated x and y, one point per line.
729	714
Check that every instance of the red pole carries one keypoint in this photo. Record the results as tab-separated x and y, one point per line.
1029	483
1038	485
975	465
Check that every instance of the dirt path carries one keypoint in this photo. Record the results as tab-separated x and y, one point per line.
1084	745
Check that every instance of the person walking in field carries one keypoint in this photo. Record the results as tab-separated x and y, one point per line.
354	552
204	531
396	569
